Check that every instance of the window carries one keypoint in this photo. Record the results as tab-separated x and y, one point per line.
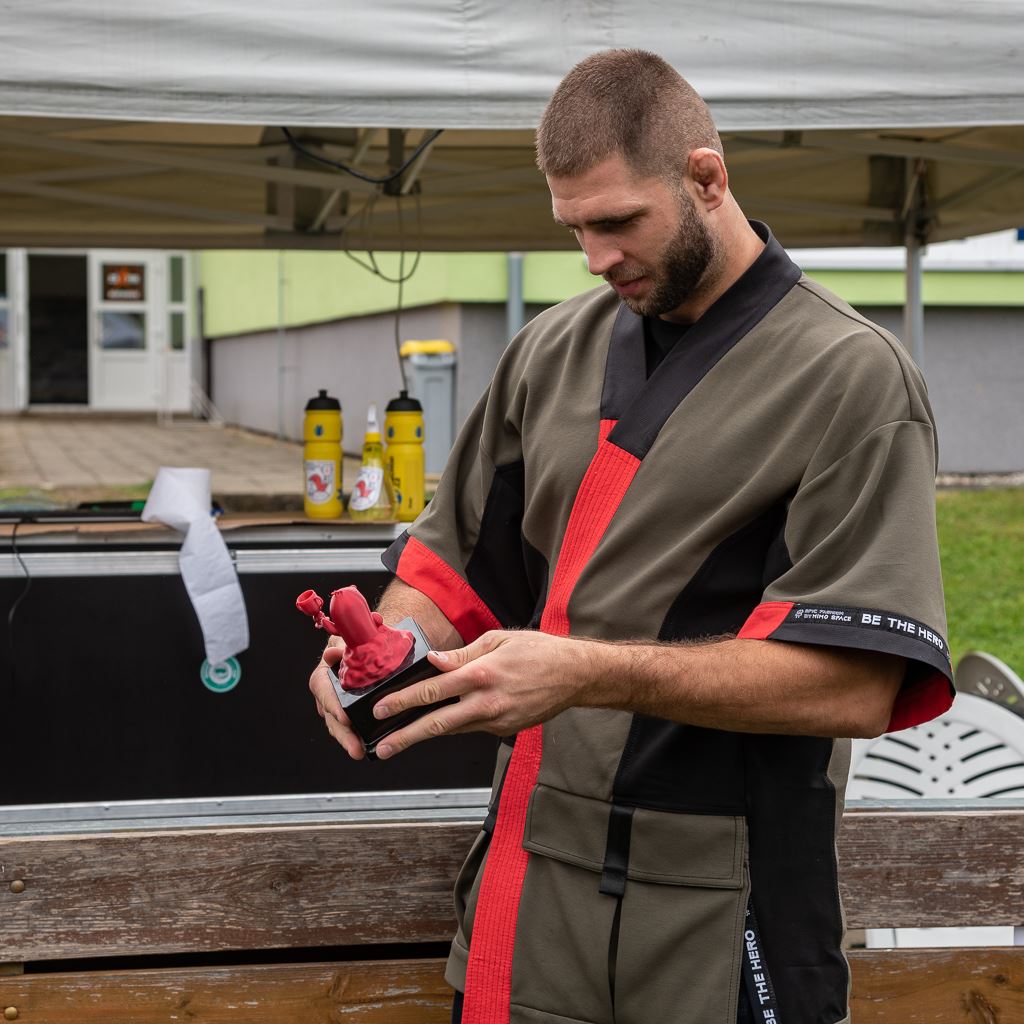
176	334
176	279
176	303
122	330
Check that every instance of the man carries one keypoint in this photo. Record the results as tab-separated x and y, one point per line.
684	540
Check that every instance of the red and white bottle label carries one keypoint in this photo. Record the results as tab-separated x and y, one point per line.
321	480
366	492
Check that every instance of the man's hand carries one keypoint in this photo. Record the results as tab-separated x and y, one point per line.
399	601
328	707
505	682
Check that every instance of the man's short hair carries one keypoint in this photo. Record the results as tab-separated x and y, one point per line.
629	102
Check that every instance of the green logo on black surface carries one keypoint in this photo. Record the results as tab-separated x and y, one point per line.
221	677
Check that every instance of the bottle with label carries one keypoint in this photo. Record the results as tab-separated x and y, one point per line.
403	430
321	433
372	496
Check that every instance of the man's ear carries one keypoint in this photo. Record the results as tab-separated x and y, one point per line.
706	169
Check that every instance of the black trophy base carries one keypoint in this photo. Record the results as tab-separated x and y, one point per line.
359	704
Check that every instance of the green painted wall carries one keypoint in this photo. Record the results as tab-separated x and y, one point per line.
549	277
241	294
241	287
939	287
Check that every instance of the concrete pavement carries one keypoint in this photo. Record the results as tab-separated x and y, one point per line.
93	456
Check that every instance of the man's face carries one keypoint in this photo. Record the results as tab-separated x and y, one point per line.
645	238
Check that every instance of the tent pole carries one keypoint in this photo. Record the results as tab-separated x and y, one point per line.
913	309
913	306
281	433
515	316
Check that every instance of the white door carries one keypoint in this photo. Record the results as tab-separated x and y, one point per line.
128	328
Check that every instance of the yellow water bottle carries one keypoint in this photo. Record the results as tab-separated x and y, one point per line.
321	454
403	431
371	497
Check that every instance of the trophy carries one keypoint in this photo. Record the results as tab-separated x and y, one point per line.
378	660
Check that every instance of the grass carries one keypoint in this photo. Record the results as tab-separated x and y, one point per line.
71	496
981	540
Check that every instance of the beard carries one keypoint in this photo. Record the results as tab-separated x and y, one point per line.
679	271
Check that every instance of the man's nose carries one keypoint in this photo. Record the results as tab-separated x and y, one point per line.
602	254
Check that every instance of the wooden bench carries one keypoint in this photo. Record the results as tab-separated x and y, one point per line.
322	922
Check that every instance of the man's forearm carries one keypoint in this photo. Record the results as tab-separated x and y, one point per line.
509	681
401	601
747	685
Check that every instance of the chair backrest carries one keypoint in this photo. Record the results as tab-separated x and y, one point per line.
986	676
976	749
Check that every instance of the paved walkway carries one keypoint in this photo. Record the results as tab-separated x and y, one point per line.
95	454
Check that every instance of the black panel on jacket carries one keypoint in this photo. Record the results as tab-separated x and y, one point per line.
643	406
728	586
667	765
509	588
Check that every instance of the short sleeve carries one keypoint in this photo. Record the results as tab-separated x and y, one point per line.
864	565
466	551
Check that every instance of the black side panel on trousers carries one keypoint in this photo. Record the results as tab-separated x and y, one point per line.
686	768
793	874
505	569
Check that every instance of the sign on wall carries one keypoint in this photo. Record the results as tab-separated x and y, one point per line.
124	282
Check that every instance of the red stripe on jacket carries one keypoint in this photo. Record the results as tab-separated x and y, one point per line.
489	973
764	620
920	702
431	575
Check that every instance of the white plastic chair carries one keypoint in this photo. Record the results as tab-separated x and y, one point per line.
976	749
986	676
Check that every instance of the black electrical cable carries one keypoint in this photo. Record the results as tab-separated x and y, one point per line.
366	219
401	284
17	601
371	179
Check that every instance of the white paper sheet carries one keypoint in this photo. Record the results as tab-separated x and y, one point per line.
180	498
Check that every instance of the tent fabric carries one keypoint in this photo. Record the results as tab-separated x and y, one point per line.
483	64
159	125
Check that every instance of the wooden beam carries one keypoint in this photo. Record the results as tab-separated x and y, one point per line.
932	868
360	992
338	885
901	986
258	888
937	986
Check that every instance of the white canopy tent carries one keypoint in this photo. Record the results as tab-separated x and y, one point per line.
156	124
160	125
